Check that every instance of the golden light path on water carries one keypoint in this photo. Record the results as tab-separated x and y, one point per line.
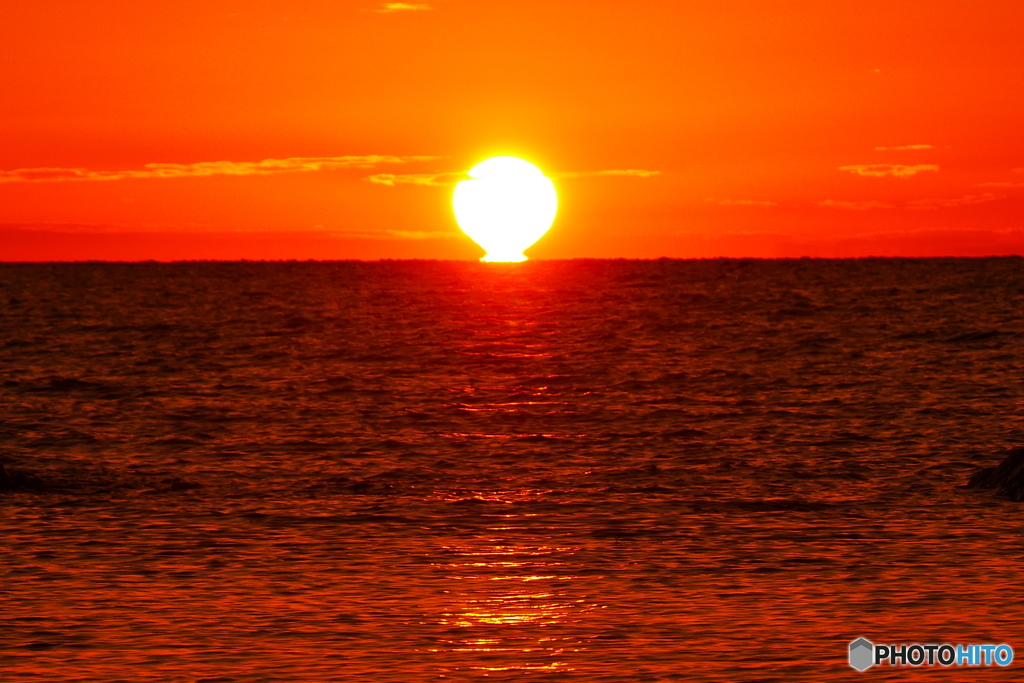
510	601
512	604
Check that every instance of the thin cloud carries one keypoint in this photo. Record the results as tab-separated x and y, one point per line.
1019	170
634	172
111	228
446	179
204	228
390	7
423	179
742	202
414	235
904	148
204	169
392	234
854	206
882	170
931	204
1001	184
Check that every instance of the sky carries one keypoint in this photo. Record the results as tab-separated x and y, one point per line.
316	129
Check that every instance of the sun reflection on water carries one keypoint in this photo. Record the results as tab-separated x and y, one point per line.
509	597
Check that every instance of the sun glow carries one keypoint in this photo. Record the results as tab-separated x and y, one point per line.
506	206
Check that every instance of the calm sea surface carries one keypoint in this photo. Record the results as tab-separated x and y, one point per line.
583	470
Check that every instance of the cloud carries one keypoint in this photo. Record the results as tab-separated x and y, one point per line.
1019	170
634	172
392	234
206	229
424	179
854	206
106	228
930	204
1001	184
451	177
389	7
882	170
904	147
742	202
372	234
208	168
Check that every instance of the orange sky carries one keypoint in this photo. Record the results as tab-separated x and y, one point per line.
733	127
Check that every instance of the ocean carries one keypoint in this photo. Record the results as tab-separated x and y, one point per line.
402	471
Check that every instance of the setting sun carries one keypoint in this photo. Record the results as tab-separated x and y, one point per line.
506	206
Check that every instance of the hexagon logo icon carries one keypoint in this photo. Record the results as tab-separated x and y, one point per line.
861	654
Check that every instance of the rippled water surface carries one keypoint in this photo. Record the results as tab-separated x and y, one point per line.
595	470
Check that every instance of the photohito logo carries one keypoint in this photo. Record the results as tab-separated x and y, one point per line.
864	654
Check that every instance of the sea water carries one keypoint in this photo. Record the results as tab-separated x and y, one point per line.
720	470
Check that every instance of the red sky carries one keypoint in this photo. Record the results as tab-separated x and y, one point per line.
263	129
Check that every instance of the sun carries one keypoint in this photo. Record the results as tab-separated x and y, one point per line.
506	206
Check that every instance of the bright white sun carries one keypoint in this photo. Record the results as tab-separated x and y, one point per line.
506	205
